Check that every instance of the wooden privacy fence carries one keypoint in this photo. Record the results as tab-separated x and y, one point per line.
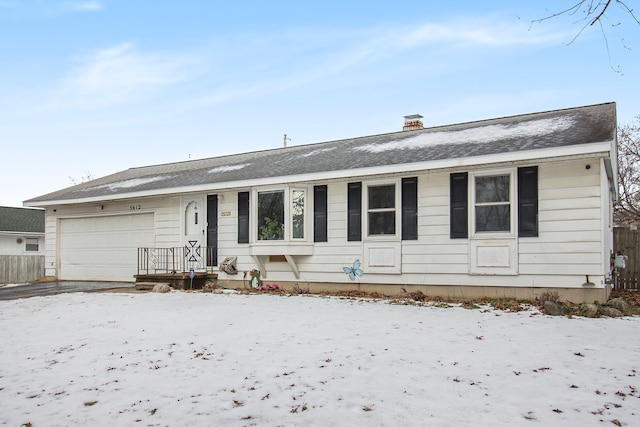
21	268
627	242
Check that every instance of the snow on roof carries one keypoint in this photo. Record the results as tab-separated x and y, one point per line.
477	135
129	183
318	151
229	168
529	132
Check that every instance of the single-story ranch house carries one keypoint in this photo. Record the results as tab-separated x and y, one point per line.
506	207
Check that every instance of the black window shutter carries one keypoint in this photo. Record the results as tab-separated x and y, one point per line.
354	211
528	201
459	210
243	217
320	213
410	208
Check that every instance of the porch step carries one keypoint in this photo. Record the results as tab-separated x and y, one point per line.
148	286
180	281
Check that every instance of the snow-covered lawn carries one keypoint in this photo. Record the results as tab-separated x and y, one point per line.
197	359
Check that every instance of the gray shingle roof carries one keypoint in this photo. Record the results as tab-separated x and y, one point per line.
551	129
21	220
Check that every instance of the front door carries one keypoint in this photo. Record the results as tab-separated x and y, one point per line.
193	238
212	230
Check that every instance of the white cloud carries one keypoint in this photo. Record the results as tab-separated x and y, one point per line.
83	6
50	9
117	75
322	54
122	73
474	32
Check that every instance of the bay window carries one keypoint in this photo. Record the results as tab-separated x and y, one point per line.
271	215
297	213
281	214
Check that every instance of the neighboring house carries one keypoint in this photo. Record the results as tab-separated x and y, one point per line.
21	231
507	207
21	244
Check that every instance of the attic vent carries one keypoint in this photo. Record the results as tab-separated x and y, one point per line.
412	122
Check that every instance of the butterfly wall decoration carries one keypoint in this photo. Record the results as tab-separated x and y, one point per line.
354	271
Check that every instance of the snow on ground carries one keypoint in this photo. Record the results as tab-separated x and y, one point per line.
202	359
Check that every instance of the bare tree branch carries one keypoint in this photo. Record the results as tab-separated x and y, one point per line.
627	208
590	12
604	8
628	10
570	11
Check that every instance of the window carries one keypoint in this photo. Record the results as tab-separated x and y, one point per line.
271	215
31	244
381	209
493	203
274	221
297	214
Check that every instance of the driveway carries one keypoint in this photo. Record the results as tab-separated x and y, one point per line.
54	288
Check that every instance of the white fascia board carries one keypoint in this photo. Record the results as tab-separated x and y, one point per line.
22	233
601	149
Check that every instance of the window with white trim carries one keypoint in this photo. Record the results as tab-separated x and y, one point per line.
298	199
496	203
271	215
31	244
274	222
493	203
382	209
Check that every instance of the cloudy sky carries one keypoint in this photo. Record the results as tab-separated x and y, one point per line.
89	88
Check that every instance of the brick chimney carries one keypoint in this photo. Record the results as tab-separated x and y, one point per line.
412	122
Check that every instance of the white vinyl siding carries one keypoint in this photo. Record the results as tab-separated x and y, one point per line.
570	237
569	246
434	252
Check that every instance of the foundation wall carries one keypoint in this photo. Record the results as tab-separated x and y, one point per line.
574	295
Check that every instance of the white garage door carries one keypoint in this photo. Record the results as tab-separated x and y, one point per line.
103	248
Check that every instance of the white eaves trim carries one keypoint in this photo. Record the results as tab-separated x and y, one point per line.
21	233
600	149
